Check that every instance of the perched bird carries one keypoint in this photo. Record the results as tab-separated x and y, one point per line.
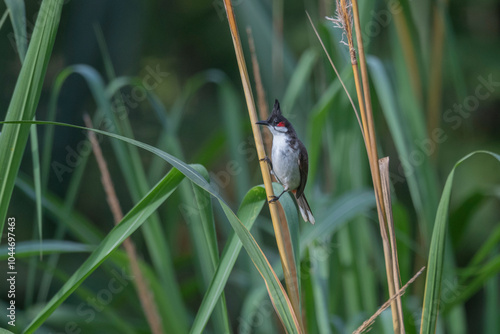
290	162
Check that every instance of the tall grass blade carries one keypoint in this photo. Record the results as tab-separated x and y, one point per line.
281	231
250	208
205	244
17	13
131	222
148	304
138	185
25	98
4	17
30	248
276	292
37	180
319	282
435	265
343	209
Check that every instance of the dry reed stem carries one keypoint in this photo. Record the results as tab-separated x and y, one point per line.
343	20
280	228
261	94
145	295
386	189
337	73
396	306
365	326
264	114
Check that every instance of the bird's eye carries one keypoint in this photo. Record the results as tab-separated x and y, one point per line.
281	124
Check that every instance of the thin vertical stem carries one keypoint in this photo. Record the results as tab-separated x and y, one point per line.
261	94
280	228
374	166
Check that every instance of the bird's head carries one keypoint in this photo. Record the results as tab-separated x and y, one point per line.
276	122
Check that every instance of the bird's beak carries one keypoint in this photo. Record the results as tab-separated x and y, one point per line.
262	123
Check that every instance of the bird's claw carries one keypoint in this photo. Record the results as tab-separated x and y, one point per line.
273	199
269	162
266	159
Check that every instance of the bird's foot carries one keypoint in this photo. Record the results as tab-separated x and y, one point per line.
269	163
266	159
273	199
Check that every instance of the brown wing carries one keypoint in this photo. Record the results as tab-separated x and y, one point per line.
303	168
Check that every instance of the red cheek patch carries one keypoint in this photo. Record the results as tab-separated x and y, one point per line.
281	124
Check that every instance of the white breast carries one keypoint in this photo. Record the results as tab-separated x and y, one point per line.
285	162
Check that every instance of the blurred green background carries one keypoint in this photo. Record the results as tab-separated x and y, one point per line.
181	52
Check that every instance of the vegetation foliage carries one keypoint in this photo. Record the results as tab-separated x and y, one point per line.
183	156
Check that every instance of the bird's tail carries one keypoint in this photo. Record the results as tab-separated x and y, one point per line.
305	210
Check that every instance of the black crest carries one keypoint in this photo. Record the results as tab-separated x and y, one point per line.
276	108
276	116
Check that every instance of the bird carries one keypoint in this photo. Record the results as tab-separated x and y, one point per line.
289	161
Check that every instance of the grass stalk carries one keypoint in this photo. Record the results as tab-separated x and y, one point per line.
264	114
25	97
143	291
347	12
261	93
392	267
280	228
368	323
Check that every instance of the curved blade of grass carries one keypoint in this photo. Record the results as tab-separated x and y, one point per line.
131	222
25	99
249	210
18	18
17	13
292	220
435	266
254	301
135	178
137	182
276	291
205	243
51	116
84	230
4	18
87	233
87	296
344	209
31	248
228	102
319	282
38	183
